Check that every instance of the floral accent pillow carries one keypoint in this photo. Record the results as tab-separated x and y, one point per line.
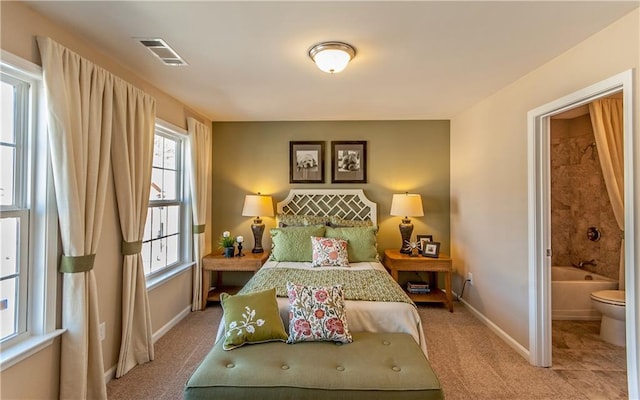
251	318
317	314
327	252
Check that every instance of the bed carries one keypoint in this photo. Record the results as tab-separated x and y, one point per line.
374	302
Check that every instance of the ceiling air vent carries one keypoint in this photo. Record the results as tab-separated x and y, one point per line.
163	51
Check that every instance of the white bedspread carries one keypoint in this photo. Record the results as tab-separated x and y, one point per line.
362	316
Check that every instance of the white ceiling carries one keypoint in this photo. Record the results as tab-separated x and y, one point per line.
415	60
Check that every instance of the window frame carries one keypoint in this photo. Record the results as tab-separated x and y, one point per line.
42	248
185	257
20	208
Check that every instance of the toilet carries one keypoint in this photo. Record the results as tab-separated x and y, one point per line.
611	303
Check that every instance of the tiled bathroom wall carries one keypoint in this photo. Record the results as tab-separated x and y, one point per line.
579	200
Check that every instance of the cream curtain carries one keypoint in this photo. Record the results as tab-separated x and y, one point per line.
200	164
79	96
606	119
131	155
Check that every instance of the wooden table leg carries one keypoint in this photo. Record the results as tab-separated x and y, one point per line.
394	274
206	284
447	280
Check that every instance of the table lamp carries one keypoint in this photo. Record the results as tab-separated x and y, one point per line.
254	206
407	205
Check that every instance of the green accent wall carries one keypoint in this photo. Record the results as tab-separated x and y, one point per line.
413	156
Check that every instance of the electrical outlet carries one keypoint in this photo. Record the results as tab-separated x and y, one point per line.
470	278
102	330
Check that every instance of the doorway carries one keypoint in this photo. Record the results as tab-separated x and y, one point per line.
540	250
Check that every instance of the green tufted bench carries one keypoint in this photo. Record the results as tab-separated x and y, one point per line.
374	366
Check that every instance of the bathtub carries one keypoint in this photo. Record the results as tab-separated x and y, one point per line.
571	291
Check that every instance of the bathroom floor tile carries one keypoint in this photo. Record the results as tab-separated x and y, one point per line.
595	368
597	385
583	360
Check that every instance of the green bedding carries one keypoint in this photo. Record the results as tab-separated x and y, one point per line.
366	285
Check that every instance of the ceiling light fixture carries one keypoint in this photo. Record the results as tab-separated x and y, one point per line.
332	57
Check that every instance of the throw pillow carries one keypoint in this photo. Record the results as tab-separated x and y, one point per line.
361	242
292	243
329	252
336	222
285	220
251	318
317	314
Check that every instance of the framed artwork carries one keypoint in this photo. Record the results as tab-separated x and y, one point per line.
306	162
422	241
349	162
431	249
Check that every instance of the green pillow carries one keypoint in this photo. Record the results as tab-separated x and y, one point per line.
338	222
251	318
362	244
293	243
300	220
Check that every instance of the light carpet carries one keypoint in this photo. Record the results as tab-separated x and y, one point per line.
470	361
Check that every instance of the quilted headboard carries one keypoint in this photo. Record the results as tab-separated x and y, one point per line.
350	204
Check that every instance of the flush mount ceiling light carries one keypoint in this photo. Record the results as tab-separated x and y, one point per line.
332	57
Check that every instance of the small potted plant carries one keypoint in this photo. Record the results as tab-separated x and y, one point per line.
227	244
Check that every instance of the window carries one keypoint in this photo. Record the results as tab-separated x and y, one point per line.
14	206
164	243
28	218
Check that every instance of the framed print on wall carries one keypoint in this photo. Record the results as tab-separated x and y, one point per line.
349	162
306	162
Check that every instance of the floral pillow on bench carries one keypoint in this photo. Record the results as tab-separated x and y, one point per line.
317	314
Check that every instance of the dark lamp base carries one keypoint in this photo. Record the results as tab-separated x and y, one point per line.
406	228
258	230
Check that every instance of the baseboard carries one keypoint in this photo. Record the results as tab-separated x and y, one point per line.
111	372
496	329
173	322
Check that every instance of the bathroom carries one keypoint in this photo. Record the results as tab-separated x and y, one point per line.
586	237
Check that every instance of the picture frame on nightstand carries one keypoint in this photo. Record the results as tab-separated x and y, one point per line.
431	249
422	241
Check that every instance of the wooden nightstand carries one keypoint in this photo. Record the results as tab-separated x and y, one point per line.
250	262
395	262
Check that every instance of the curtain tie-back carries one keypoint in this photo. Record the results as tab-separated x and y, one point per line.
198	228
73	264
131	248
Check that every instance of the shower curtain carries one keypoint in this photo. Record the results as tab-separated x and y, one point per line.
606	119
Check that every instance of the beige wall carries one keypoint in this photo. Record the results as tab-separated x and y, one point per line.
250	157
37	376
489	172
